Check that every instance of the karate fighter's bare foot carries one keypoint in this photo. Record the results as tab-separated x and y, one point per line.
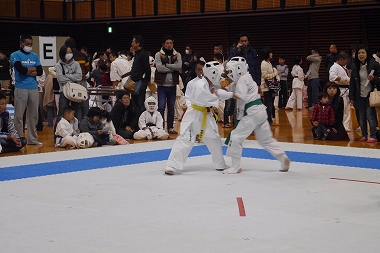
169	171
286	166
232	170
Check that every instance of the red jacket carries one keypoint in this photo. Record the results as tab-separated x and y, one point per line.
324	114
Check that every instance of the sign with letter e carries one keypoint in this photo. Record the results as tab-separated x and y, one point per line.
48	51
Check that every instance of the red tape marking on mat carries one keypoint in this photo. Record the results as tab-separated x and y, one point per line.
354	180
241	206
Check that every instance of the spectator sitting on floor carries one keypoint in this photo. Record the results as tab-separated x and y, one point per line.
10	141
125	115
91	124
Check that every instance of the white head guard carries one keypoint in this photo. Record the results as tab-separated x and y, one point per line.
213	71
236	67
151	108
151	61
85	140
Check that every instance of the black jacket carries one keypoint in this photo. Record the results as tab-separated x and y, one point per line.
355	78
121	119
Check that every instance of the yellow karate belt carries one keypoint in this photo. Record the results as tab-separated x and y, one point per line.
205	110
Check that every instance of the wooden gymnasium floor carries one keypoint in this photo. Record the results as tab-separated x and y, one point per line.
294	128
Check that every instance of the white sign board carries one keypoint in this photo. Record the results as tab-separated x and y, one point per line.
48	51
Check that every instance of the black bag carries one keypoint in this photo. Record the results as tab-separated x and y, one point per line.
55	86
273	85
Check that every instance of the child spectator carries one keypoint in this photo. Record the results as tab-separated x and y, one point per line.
297	85
151	123
108	125
10	141
91	124
322	117
67	129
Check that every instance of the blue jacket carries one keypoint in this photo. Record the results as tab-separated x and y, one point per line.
252	59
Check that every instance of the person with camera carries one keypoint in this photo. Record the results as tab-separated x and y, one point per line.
245	50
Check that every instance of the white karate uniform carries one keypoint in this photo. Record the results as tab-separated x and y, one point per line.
67	133
297	87
151	132
191	126
256	120
335	71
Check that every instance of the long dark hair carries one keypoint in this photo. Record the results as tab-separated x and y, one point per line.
337	97
357	61
62	53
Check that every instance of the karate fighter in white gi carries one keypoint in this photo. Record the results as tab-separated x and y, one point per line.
151	123
251	115
198	124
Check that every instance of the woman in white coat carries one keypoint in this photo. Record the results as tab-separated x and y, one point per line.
297	85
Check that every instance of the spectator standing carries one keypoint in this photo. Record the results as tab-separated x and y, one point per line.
187	64
67	70
297	85
82	59
330	60
5	70
339	74
168	66
120	68
245	50
365	76
284	71
268	72
313	76
27	66
141	71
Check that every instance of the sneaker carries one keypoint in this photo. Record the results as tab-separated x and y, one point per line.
232	170
169	171
358	129
363	139
324	137
371	140
285	167
172	131
35	143
311	108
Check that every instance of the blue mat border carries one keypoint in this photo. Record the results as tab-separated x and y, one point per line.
83	164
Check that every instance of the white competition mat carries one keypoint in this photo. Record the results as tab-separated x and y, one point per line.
117	199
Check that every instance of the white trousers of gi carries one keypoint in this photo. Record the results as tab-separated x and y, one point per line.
347	109
186	140
256	122
295	98
153	133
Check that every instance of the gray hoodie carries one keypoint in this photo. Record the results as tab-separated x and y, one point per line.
72	73
315	62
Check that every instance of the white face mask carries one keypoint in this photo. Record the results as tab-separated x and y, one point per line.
187	51
27	49
104	121
68	57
